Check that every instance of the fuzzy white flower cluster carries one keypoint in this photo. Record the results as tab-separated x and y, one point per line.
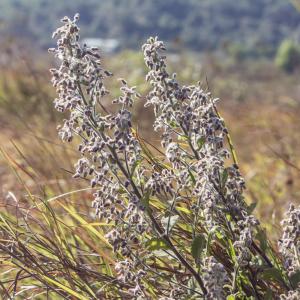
160	209
289	244
108	144
187	114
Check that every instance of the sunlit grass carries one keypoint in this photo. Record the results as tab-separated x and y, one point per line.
51	243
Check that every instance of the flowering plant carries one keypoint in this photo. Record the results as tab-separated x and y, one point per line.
177	219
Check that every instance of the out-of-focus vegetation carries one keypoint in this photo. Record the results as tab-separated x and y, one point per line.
259	102
257	27
288	56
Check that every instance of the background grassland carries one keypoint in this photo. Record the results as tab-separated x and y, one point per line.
49	217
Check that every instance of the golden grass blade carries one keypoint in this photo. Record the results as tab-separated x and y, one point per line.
86	224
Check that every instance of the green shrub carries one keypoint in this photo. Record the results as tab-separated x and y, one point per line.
288	56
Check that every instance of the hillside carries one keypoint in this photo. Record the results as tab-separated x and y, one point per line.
198	25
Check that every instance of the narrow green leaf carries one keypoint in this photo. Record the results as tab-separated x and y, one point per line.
200	142
192	176
183	209
157	244
262	238
271	274
135	165
231	250
224	178
198	245
145	200
295	279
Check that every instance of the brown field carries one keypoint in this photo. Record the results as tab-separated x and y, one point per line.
259	103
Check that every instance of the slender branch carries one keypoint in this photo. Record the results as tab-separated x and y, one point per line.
138	194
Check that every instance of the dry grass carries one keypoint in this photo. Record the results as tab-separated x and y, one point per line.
260	105
262	114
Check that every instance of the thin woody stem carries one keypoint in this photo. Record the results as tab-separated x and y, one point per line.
149	212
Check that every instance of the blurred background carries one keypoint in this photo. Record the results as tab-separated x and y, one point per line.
246	52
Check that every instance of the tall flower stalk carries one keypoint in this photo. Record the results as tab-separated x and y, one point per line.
178	223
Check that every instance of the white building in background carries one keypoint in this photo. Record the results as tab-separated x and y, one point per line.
106	45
